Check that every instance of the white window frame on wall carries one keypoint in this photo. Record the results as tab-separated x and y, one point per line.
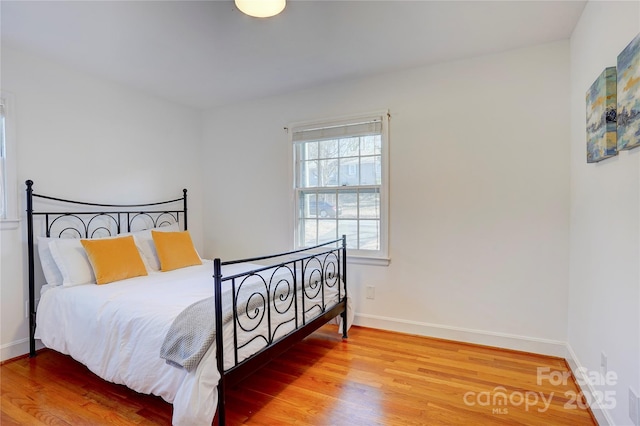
371	257
9	217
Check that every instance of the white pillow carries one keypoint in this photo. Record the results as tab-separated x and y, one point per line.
147	248
72	261
52	273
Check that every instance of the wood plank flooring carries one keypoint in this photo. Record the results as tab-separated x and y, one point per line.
373	378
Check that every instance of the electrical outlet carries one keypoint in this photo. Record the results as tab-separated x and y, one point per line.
371	292
634	402
603	363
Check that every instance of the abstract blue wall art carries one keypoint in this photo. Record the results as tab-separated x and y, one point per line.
629	96
601	117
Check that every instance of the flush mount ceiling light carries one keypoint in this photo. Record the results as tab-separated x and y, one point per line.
261	8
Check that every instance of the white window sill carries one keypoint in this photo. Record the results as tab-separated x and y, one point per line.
364	260
9	224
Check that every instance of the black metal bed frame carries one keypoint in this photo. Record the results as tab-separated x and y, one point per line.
315	270
289	278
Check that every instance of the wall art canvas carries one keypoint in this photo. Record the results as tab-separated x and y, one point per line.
629	96
601	117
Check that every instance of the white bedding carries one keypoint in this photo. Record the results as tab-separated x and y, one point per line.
117	330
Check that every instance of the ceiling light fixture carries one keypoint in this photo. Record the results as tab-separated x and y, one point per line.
261	8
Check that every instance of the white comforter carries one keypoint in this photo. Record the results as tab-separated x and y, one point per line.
117	330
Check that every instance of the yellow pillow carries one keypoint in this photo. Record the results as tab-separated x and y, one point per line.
114	259
175	250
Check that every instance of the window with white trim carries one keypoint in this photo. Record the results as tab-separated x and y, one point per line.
8	185
340	183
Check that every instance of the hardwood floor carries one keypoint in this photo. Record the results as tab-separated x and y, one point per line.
373	378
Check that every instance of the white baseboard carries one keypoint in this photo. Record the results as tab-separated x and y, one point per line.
17	348
602	416
14	349
480	337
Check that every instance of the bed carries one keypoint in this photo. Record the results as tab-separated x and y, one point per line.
162	320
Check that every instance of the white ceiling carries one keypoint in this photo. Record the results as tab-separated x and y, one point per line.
207	53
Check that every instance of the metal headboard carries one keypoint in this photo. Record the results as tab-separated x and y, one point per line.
90	220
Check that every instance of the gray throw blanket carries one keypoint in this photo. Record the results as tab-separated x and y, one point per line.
190	335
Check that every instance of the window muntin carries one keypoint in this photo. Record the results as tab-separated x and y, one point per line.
340	184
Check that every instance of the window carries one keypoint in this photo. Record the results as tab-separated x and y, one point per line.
340	183
8	184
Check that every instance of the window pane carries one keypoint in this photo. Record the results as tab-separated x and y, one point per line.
317	204
370	170
310	232
327	230
371	145
307	205
349	147
350	229
326	205
349	171
308	174
369	235
328	149
309	151
328	173
347	205
369	204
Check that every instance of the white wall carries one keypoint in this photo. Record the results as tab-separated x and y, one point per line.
84	138
479	193
604	308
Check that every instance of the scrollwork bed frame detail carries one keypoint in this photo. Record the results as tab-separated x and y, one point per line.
119	215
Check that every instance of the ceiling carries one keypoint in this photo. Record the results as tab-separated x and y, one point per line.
206	53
